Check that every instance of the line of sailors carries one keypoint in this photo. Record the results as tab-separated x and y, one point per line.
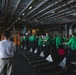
41	43
58	46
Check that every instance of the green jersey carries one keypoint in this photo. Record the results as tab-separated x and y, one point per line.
47	38
64	39
40	42
59	41
54	40
32	38
72	43
24	38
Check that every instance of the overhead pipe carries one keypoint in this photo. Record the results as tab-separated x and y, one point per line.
49	6
36	8
53	10
6	4
59	19
26	7
54	20
48	12
64	10
60	12
21	12
62	15
16	6
3	5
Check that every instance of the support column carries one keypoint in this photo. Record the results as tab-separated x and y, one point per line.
66	30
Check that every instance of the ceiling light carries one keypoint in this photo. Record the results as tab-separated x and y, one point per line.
30	7
18	18
36	20
53	12
23	14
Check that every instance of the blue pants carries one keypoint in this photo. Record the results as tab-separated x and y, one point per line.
32	45
39	49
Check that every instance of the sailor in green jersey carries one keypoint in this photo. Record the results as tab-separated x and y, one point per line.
64	40
32	40
40	44
21	41
53	46
72	43
59	41
21	38
24	37
27	41
54	40
24	41
72	52
47	39
47	45
59	46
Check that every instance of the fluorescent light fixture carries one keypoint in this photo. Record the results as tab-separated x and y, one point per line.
53	12
30	7
19	18
23	14
36	20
